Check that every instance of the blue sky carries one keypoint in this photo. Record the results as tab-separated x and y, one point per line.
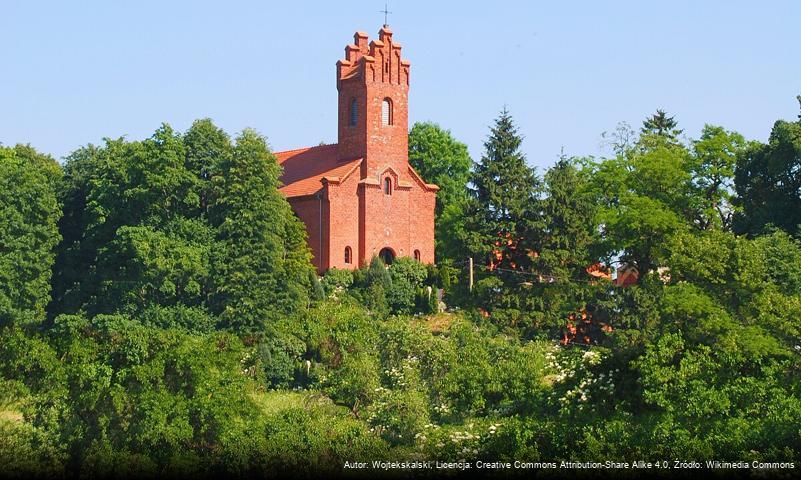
72	73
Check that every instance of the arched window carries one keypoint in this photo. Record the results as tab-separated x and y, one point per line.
348	255
387	256
386	112
417	255
388	186
354	111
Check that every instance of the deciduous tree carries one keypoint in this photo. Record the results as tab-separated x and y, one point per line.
29	212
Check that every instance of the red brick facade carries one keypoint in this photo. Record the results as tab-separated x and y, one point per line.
360	196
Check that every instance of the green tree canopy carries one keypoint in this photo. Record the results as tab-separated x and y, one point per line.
441	159
261	264
569	228
177	228
713	161
641	196
29	212
768	182
660	124
503	214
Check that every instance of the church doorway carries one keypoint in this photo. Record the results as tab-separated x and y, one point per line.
387	255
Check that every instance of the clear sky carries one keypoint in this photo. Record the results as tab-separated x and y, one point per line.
74	72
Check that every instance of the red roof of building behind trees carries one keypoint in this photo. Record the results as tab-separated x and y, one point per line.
305	169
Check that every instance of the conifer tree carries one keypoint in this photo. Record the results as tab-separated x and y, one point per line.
503	216
661	125
568	223
503	200
260	269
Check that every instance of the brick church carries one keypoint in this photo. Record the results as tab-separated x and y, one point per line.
360	198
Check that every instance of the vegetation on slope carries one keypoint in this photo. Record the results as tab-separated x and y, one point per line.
159	314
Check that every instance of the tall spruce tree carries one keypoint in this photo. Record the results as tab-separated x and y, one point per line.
569	226
503	216
660	124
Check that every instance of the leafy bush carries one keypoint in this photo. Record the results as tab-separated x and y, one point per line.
342	339
149	395
336	281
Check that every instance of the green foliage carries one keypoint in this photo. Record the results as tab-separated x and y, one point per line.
568	235
27	451
156	267
136	392
642	196
504	188
309	443
406	287
28	362
280	355
713	164
442	160
28	233
583	383
179	223
659	124
342	340
191	319
767	180
123	202
337	281
261	265
407	280
166	241
400	408
502	214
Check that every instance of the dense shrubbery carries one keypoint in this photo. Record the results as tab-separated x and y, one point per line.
406	287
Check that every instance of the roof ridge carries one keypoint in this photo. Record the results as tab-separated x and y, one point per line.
304	149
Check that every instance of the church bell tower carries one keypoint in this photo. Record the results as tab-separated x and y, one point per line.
373	86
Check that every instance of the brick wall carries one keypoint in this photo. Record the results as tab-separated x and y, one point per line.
307	208
343	201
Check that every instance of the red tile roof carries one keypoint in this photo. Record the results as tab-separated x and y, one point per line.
305	168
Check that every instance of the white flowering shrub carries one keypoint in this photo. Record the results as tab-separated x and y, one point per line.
400	406
580	382
458	442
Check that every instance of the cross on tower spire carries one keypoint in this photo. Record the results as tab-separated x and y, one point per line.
386	12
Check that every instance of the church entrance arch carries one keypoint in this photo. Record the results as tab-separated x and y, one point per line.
387	255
